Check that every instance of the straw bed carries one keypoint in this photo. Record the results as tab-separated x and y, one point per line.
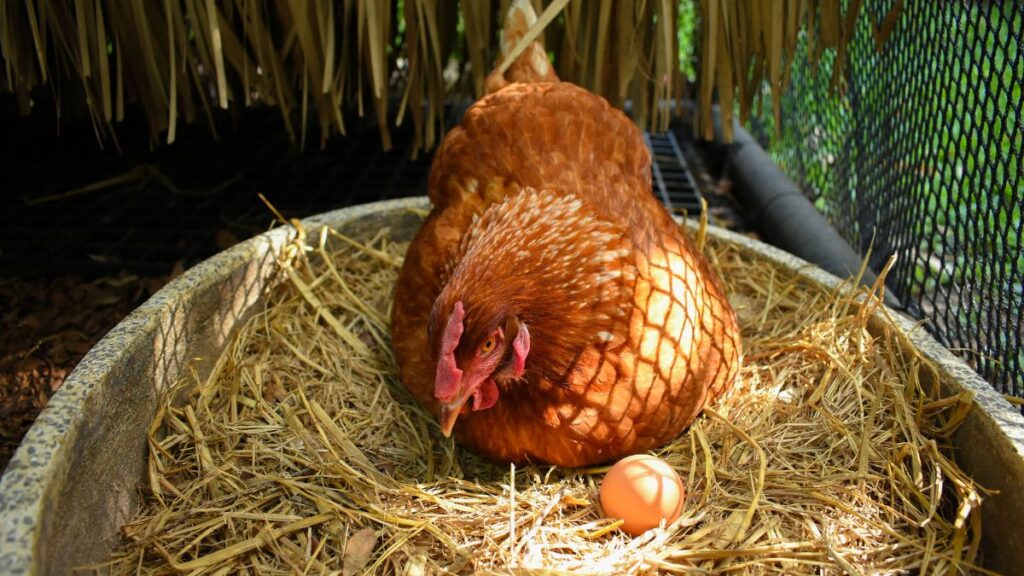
302	452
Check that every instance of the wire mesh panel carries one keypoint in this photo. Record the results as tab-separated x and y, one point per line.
82	210
917	153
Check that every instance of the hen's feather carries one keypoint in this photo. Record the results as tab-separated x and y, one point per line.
532	65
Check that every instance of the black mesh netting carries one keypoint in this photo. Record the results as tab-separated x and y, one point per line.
920	157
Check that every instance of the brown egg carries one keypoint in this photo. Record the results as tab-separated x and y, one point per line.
642	490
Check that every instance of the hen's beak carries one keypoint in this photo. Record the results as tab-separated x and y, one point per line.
451	390
450	413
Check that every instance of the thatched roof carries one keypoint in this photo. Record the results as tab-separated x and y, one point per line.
178	59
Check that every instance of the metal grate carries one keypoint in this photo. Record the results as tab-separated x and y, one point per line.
921	158
673	180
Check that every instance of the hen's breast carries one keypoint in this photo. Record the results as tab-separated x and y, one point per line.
641	380
677	350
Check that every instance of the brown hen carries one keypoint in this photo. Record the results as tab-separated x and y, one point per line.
550	309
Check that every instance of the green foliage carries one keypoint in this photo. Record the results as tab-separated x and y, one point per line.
686	32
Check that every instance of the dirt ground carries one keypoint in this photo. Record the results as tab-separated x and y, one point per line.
46	326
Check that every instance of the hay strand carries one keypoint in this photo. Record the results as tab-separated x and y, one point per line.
549	14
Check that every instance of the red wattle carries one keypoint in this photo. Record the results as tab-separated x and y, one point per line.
485	396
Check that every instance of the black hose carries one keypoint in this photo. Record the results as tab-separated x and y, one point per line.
786	218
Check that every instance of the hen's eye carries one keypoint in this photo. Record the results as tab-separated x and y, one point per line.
488	346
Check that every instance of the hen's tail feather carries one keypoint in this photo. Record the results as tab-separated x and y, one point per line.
518	21
532	65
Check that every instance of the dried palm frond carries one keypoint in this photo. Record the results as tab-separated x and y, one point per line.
182	59
745	44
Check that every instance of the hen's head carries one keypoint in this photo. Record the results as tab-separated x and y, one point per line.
538	275
473	355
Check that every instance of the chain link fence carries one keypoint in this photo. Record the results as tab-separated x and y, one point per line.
919	155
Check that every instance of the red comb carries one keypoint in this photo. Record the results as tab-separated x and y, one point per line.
446	384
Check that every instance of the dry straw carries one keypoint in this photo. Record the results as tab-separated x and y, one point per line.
746	45
182	59
302	453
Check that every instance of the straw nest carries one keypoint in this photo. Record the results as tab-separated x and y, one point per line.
302	452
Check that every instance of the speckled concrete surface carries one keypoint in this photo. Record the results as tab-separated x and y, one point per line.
71	483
